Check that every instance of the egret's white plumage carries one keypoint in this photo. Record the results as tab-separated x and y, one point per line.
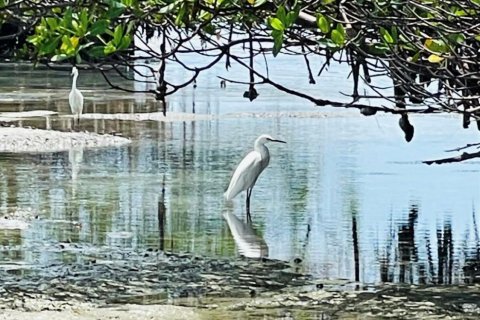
75	98
249	169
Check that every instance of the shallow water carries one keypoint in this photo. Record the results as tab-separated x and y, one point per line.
346	194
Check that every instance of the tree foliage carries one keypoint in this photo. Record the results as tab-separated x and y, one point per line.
428	48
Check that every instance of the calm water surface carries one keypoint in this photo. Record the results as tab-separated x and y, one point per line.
346	194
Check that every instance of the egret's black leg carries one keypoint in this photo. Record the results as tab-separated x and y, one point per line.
249	217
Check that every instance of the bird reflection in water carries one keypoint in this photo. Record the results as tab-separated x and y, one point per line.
249	244
75	159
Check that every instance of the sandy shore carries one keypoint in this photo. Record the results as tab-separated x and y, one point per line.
13	139
83	311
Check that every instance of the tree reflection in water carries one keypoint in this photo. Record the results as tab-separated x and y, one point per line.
403	263
162	212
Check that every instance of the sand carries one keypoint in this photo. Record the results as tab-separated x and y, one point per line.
14	139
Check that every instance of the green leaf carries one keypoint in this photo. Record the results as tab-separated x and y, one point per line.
50	46
456	38
115	4
128	3
52	23
477	37
41	29
277	41
67	18
59	57
69	45
436	45
125	43
109	48
99	27
341	30
66	44
282	15
115	9
75	26
117	35
386	35
97	51
276	24
180	15
394	34
35	39
292	17
114	12
337	37
84	19
323	23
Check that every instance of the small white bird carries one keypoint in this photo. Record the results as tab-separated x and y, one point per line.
75	98
249	170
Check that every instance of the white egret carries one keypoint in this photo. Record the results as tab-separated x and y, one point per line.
249	170
75	98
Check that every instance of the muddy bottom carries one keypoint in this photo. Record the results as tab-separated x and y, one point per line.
150	284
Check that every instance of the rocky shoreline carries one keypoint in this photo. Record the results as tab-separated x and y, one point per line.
151	284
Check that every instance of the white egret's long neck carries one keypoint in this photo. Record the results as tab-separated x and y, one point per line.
260	147
74	82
